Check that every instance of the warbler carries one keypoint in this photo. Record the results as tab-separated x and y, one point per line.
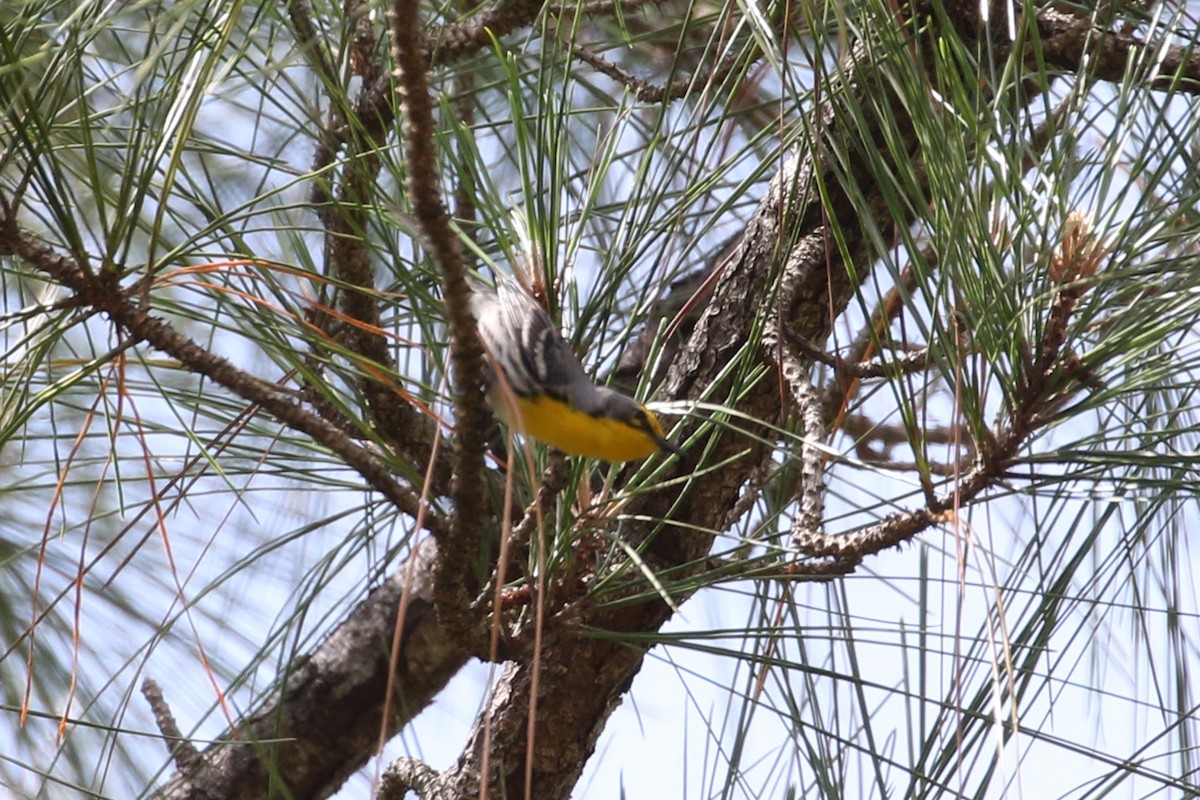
543	391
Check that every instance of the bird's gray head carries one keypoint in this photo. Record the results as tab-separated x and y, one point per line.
614	405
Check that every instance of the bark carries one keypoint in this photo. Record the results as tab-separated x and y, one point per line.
328	717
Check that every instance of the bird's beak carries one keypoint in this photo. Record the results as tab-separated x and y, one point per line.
669	446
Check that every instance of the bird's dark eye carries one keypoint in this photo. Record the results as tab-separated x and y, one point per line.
639	416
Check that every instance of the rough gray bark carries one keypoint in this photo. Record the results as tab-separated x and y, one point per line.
328	718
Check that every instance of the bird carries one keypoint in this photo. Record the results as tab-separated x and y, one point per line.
537	385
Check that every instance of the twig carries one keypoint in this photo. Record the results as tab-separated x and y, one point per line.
1041	387
648	92
409	774
182	751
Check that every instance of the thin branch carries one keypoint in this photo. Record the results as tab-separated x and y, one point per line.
461	39
649	92
1045	382
103	293
839	393
460	542
183	752
311	45
593	8
1073	42
347	251
874	441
